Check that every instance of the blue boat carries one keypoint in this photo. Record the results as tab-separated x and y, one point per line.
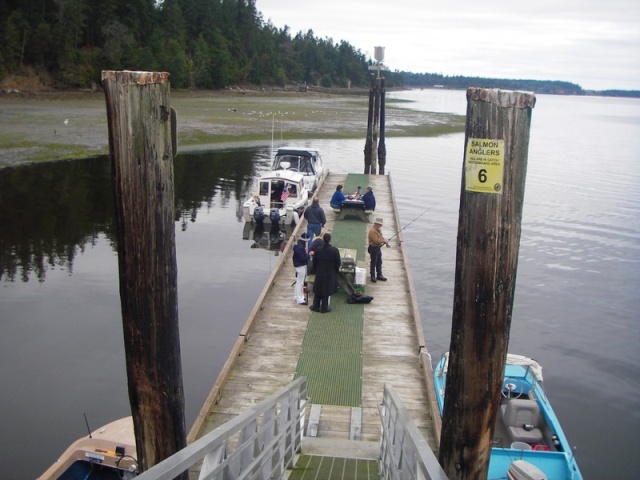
528	442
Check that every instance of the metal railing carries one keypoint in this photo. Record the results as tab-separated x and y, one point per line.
258	444
405	454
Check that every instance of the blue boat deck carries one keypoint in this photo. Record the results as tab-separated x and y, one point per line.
537	438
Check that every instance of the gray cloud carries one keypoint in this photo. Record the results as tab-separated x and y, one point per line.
594	44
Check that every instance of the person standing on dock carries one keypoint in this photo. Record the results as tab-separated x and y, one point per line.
369	199
376	241
300	261
315	217
326	263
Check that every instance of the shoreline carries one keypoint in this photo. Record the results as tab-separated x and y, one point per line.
39	126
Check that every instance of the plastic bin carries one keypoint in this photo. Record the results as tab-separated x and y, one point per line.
361	275
520	446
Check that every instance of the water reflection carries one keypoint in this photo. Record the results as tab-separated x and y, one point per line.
50	212
220	176
53	211
272	237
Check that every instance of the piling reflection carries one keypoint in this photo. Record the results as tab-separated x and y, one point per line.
50	212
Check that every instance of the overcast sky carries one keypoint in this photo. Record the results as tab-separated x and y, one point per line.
595	44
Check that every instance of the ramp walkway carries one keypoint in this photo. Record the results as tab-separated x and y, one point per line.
347	355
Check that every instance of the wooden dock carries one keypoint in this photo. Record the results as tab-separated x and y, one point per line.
266	353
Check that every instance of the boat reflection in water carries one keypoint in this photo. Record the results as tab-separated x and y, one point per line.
270	236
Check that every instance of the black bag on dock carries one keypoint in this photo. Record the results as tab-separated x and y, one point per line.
356	298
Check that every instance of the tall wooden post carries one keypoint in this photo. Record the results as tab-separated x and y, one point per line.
141	150
375	154
492	194
369	141
375	128
382	148
371	144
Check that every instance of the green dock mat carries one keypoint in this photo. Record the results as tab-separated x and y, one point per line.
331	354
309	467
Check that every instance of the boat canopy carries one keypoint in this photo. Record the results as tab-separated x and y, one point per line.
296	160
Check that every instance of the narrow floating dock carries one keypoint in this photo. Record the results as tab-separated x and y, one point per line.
347	355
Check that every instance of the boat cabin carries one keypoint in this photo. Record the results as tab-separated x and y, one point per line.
281	197
306	161
275	192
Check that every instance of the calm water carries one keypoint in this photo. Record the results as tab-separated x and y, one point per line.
576	298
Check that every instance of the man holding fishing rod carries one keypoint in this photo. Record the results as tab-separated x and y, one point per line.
376	241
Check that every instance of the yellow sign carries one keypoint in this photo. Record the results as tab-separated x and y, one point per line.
483	165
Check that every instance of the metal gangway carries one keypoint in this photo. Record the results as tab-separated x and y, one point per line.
263	442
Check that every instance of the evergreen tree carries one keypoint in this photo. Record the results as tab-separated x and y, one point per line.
201	43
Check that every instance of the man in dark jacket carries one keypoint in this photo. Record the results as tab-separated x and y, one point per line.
315	218
326	262
369	200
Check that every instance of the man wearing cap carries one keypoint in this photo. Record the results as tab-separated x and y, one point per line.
369	200
376	241
300	261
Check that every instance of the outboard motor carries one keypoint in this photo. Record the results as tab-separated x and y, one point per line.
274	215
258	215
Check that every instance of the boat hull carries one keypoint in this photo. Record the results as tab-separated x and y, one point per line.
542	445
253	212
109	452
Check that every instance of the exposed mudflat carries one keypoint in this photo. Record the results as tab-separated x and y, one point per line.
47	126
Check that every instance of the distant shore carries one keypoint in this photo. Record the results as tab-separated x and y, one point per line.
38	126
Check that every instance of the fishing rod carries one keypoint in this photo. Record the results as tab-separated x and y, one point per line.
398	232
87	423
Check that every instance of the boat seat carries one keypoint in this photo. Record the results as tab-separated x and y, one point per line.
522	419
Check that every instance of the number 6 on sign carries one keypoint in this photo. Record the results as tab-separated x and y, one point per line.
483	165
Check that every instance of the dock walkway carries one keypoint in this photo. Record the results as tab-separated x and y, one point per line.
365	346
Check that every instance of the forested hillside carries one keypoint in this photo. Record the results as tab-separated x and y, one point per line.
206	44
202	43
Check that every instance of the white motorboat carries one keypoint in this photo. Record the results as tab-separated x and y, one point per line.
304	160
108	452
281	197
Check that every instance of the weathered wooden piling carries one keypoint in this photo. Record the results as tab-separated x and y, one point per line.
492	195
375	151
382	148
141	149
371	144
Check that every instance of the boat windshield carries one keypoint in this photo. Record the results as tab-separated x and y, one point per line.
296	163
